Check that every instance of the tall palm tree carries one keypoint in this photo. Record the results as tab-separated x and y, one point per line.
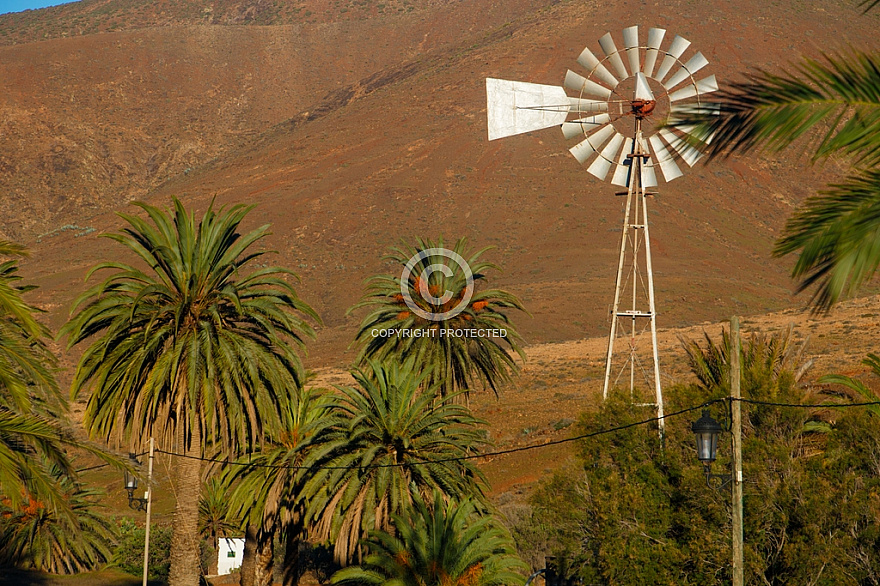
451	362
836	233
270	493
393	441
443	545
187	348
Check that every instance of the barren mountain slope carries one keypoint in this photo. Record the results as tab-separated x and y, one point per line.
91	122
403	152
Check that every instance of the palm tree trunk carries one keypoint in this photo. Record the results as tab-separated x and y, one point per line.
213	567
257	565
249	558
185	567
265	560
292	570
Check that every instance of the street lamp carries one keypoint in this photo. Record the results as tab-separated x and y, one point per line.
706	431
131	484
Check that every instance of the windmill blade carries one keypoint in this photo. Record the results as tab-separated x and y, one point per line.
678	46
584	149
706	85
581	84
688	153
649	177
678	112
595	67
610	50
600	167
667	166
582	126
631	42
643	90
581	106
514	107
694	64
624	165
655	39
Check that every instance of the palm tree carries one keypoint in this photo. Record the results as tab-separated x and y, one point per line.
393	441
270	493
215	518
27	382
764	359
186	348
39	537
450	362
836	233
448	544
32	435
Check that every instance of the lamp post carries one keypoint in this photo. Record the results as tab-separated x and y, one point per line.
142	504
706	431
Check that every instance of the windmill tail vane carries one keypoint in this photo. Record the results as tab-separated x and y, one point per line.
613	109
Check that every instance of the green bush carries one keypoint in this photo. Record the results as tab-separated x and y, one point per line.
634	511
129	553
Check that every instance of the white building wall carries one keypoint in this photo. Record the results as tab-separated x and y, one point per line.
229	554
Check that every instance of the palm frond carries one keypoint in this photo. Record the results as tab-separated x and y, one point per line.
392	442
837	234
838	96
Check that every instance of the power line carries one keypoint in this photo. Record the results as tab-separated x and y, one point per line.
452	459
507	451
805	405
105	464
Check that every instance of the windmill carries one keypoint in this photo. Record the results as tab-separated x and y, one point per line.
613	112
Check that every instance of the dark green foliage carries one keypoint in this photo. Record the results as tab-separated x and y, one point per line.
73	539
444	544
634	513
129	553
388	428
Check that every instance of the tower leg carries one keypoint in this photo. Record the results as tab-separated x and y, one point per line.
635	219
617	287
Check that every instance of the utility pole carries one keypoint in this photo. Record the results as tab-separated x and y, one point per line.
736	438
149	496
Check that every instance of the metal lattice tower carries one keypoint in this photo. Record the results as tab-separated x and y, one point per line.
616	114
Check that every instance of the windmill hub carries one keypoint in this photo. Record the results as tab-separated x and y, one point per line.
643	108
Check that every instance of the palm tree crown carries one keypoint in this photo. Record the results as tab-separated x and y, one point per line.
443	545
393	441
837	233
189	344
270	492
450	362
